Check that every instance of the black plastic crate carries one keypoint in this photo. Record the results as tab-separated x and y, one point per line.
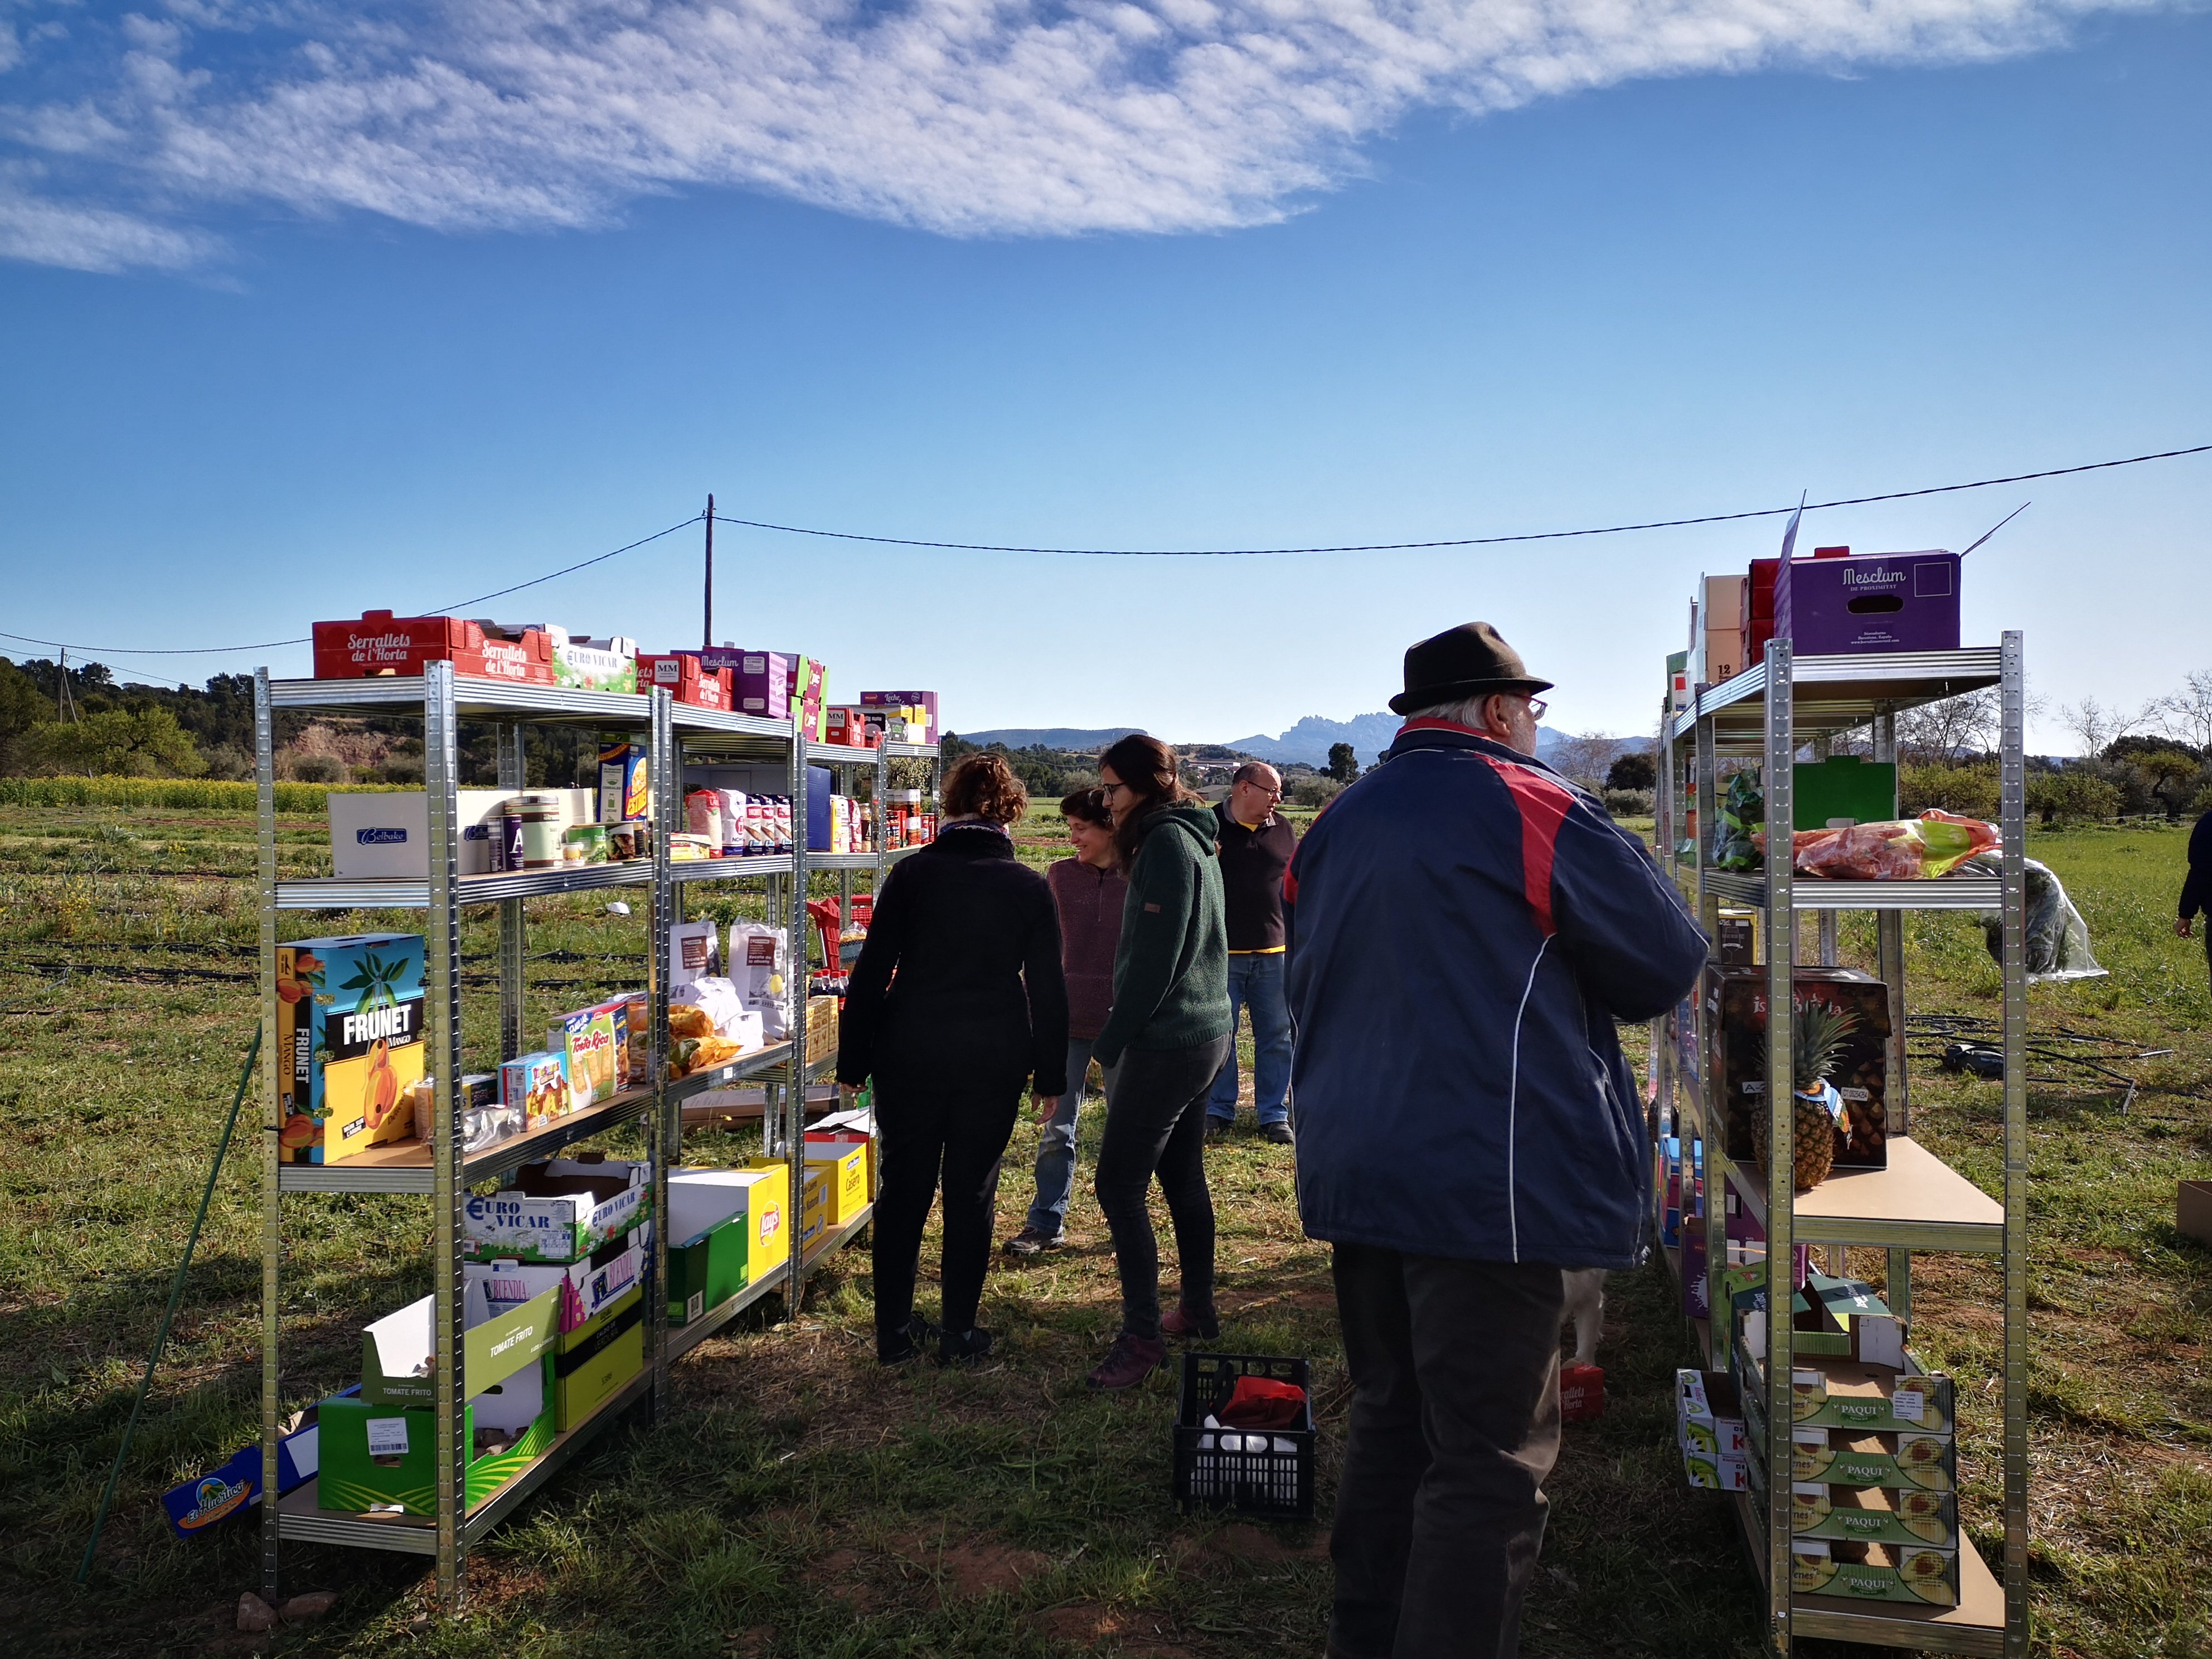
1273	1483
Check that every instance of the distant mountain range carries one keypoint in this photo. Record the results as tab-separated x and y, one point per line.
1309	741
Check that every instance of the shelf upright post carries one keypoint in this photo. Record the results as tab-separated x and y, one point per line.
664	777
1781	1168
1711	1118
1889	963
2012	814
442	1054
1662	1068
794	991
272	1221
512	775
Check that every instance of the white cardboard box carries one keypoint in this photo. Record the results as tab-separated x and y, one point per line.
385	834
701	1198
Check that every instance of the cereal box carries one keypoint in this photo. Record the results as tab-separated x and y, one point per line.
538	1083
349	1042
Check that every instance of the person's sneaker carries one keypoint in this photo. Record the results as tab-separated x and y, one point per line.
1181	1322
1034	1241
904	1344
963	1350
1279	1133
1129	1361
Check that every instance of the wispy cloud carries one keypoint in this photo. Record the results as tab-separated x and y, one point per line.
963	117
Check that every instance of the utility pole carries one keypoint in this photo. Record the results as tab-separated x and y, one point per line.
707	642
64	702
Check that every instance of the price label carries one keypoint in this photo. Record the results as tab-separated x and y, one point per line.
1905	1406
388	1436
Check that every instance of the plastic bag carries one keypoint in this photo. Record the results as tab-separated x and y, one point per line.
1738	834
2057	938
1894	849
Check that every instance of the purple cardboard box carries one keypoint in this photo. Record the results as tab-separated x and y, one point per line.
1869	602
762	680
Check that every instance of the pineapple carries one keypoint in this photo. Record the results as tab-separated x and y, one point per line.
1818	1032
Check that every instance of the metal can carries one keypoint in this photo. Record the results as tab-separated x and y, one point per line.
584	843
540	820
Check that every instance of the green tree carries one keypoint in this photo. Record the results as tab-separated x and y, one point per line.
126	743
21	707
1343	762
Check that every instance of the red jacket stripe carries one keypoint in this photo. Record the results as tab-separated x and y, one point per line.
1543	805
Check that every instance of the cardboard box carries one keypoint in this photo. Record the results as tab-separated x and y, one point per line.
1918	1573
762	683
538	1083
558	1214
348	1042
1873	601
1581	1392
625	779
711	1267
1875	1515
2192	1210
589	665
207	1500
396	1350
1709	1427
379	835
699	1199
1735	1012
843	1168
682	675
1842	786
381	643
377	1455
1739	938
593	1044
589	1373
1678	680
1847	1395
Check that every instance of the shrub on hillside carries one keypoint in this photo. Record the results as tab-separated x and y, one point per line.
1630	803
1318	790
2076	792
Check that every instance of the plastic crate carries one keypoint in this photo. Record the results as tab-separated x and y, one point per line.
1272	1484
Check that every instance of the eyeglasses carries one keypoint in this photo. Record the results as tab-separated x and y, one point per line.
1107	790
1536	707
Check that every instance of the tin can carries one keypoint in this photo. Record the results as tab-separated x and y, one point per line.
584	843
509	856
540	821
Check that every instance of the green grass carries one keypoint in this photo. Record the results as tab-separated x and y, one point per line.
796	1500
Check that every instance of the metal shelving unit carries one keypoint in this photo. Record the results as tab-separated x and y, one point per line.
1918	1202
435	1166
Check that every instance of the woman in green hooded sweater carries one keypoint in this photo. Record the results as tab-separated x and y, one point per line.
1164	1040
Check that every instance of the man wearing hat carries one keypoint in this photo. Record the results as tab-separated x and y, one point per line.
1464	927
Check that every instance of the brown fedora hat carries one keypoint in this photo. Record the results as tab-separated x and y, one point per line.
1459	663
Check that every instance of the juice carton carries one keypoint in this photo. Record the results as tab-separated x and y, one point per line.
349	1038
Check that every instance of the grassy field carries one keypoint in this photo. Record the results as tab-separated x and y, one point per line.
798	1501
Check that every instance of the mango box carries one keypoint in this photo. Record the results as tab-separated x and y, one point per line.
375	1454
397	1350
589	1374
549	1217
843	1168
349	1042
1918	1573
1845	1395
1834	1457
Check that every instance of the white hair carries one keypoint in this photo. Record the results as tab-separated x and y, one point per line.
1468	711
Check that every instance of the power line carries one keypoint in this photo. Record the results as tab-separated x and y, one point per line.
1152	552
1463	541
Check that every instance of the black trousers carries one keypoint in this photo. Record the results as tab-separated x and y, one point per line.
954	1135
1156	1124
1455	1425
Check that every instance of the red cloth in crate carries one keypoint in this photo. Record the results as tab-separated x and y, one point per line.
1260	1402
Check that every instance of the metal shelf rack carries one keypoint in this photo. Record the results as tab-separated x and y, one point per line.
1918	1202
435	1166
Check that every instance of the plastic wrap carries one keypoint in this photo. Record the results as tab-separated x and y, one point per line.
2058	937
1896	849
1737	840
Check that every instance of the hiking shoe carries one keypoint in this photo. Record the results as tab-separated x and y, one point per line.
905	1344
1129	1361
1035	1241
1217	1129
963	1350
1181	1322
1279	1133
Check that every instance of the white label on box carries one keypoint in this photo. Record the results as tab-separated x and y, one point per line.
388	1436
1905	1404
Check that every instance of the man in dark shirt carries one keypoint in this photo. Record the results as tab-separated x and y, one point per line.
2195	889
1256	843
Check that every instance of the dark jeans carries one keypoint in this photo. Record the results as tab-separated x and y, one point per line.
961	1133
1156	1124
1455	1425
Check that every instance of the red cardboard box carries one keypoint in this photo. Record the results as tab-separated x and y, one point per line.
846	724
381	643
681	672
1581	1392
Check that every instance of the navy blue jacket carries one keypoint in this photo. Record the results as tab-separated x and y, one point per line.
1464	927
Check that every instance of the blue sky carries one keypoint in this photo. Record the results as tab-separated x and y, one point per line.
1098	275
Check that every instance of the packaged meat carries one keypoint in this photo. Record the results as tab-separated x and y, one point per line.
1899	849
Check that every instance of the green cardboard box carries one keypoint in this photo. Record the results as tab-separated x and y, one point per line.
377	1455
396	1352
708	1271
1918	1573
1875	1515
1843	786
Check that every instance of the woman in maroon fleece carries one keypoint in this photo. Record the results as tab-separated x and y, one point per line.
1089	888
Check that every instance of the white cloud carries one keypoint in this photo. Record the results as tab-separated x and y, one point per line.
963	117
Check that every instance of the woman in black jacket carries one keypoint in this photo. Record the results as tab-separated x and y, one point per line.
956	1005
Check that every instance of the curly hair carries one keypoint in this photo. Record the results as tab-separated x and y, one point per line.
1154	772
984	786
